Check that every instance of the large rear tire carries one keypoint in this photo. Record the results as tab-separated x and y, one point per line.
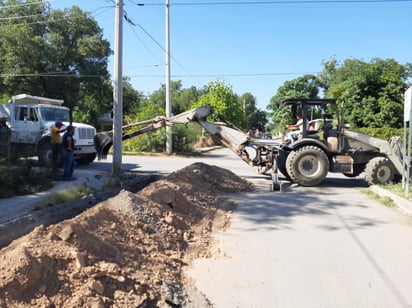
307	166
45	154
379	170
282	157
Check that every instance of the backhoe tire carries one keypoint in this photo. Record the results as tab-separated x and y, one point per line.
282	163
307	166
379	170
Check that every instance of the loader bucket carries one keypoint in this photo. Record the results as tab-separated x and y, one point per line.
102	142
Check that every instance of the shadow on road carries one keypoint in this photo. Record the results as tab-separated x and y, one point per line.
277	210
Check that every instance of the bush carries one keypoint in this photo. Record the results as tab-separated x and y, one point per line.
183	139
22	180
382	132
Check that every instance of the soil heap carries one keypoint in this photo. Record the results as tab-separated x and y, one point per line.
128	251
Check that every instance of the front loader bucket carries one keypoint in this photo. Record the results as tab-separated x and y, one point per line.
102	142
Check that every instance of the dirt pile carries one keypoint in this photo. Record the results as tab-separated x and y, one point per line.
127	251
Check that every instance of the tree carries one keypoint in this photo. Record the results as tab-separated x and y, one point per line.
255	118
307	86
54	53
222	99
183	99
131	98
372	92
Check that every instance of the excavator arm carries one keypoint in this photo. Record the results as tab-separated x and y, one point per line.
265	154
230	135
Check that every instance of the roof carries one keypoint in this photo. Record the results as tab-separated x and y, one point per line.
29	99
307	101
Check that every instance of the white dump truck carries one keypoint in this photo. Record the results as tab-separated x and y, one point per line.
30	119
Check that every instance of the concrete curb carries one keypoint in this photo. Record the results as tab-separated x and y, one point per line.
403	204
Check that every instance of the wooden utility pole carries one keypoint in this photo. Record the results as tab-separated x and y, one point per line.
117	89
169	145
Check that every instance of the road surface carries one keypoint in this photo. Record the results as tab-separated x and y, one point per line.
325	246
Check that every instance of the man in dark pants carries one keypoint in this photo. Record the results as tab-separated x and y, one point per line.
5	135
56	140
67	153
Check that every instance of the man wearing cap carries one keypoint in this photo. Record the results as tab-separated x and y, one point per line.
56	140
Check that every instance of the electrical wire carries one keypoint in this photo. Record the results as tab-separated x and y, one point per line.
277	2
19	5
227	75
159	45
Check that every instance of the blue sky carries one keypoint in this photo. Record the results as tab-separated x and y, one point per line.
252	47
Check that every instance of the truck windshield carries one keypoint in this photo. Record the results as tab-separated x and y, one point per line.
55	114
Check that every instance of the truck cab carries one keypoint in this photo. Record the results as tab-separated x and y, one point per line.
30	120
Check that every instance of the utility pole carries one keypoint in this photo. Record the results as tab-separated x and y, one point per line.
169	146
117	90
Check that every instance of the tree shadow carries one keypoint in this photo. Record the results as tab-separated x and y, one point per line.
277	210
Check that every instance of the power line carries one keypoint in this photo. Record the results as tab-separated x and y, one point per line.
277	2
228	75
19	5
68	74
54	74
143	44
158	44
20	17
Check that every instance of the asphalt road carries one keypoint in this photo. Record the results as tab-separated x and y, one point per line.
325	246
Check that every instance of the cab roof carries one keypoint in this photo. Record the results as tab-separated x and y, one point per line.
307	101
30	99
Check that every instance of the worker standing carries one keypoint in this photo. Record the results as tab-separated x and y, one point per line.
67	153
56	140
5	134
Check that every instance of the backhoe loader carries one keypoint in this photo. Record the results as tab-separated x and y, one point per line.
325	145
259	153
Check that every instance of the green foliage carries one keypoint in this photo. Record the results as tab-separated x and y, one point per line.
307	86
131	98
255	118
381	132
183	99
153	142
55	53
183	136
372	92
223	101
64	196
183	139
22	180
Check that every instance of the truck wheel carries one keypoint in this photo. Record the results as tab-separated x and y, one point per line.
379	170
307	166
45	154
85	159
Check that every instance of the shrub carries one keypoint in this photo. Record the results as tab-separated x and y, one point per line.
22	180
183	139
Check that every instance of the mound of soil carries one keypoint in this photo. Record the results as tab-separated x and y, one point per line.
128	251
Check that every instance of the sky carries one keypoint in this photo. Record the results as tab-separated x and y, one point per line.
253	46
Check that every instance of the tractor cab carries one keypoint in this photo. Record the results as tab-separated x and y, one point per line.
320	119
